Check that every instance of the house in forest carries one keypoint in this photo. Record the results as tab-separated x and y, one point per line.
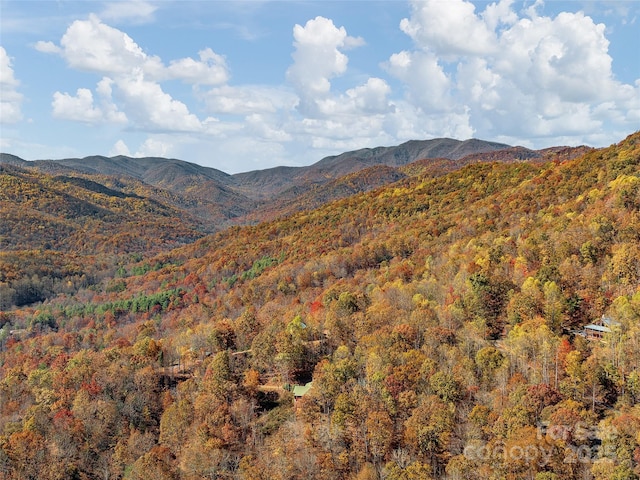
598	329
300	391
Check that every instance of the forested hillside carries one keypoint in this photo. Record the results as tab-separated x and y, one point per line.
59	233
66	224
440	321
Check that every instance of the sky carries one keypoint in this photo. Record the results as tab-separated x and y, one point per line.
248	85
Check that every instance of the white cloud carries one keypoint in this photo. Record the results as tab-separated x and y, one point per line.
120	148
500	13
135	11
93	46
449	28
368	99
154	147
317	58
521	77
367	114
5	144
90	45
329	120
241	153
334	135
79	107
47	47
409	122
489	71
266	128
247	99
218	129
428	87
10	98
353	117
152	108
210	70
109	108
130	87
567	55
371	97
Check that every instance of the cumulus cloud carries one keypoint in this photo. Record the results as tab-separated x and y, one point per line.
330	120
428	86
410	122
93	46
367	99
266	128
370	97
318	58
109	108
154	109
500	13
10	98
79	107
82	108
519	74
47	47
131	78
154	146
211	69
120	148
448	28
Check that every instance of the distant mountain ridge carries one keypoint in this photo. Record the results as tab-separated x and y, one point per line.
414	150
218	198
275	180
174	174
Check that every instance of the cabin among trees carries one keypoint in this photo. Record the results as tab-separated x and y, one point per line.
300	391
598	329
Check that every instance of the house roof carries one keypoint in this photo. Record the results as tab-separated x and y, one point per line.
597	328
608	321
300	390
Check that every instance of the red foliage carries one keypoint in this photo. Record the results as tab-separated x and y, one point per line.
92	387
316	306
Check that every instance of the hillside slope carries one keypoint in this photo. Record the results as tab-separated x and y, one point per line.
92	205
310	196
57	232
205	192
437	319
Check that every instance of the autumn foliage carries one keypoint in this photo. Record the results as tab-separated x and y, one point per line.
439	319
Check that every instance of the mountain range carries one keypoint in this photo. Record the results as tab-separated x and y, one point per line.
69	222
214	199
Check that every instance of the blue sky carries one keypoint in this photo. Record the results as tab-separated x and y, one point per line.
245	85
